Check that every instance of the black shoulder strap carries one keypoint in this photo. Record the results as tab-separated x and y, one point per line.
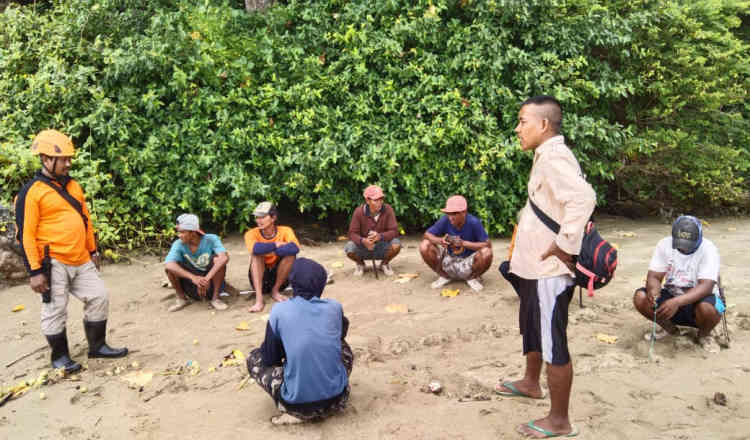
68	198
547	220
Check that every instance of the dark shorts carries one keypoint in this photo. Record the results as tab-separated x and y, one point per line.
272	378
543	317
190	289
378	253
686	314
269	278
510	277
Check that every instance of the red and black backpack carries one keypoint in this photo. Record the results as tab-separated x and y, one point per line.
596	261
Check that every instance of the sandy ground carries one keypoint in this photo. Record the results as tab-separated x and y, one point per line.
467	343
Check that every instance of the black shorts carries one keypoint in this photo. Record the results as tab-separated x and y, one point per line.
269	278
543	317
190	289
685	315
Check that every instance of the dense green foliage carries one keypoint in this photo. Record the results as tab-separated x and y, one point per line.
198	106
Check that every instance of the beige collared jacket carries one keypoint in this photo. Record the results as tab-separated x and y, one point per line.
557	186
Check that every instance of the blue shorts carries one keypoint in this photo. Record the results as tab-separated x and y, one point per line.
686	314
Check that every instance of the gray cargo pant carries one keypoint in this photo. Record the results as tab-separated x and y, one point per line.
84	283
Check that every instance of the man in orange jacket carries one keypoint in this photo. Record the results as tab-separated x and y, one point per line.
53	221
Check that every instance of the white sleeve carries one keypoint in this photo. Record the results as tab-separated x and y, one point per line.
660	259
708	266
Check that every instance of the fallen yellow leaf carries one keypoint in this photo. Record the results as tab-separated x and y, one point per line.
342	238
402	280
397	308
337	265
19	307
449	293
408	275
732	228
609	339
242	326
615	245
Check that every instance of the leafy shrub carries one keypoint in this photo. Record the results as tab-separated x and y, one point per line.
197	106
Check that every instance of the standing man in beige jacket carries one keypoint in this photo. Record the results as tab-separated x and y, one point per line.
543	262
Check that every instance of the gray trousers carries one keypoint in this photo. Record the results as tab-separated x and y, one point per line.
84	283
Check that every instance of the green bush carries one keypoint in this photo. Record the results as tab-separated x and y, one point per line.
198	106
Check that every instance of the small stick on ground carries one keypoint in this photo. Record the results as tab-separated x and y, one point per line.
25	356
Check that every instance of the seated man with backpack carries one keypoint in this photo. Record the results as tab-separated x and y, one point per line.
688	264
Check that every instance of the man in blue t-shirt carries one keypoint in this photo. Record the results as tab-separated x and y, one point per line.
457	247
196	265
304	362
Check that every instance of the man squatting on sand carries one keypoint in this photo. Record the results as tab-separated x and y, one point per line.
373	232
272	252
457	246
196	265
689	265
304	362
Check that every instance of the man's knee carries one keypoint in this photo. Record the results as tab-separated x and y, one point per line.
485	256
426	248
350	248
97	308
706	312
395	248
639	299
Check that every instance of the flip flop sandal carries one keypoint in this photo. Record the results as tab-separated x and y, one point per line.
549	434
514	392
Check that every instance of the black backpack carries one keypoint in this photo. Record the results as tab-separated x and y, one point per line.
597	260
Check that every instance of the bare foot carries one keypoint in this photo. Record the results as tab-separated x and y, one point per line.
519	388
258	307
279	297
543	428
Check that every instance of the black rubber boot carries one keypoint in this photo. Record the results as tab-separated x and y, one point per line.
96	332
60	354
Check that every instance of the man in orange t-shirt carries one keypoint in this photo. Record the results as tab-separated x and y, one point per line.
272	249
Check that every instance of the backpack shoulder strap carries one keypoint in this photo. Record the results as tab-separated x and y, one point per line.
547	220
68	198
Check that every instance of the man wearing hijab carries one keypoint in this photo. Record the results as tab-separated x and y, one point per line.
304	362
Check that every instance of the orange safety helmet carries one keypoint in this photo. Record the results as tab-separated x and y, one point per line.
52	143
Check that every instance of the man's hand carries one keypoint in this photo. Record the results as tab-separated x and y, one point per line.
561	255
444	241
651	298
202	283
39	283
373	236
667	309
369	243
281	243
